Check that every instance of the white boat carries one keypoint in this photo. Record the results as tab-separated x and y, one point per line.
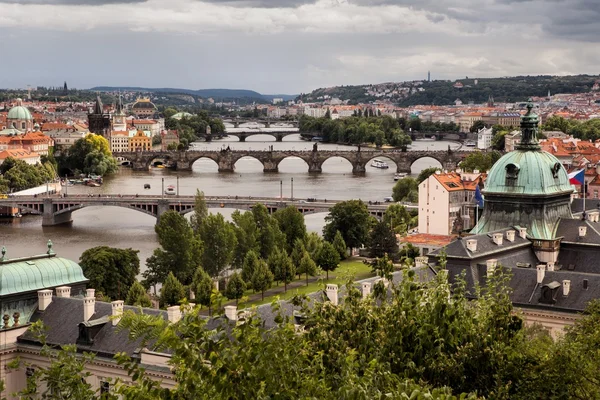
379	164
399	175
470	144
170	190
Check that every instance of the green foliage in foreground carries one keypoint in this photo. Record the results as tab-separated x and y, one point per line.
422	341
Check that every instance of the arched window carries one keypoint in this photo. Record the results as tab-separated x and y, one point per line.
512	174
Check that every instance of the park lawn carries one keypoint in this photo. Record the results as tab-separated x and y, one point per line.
352	268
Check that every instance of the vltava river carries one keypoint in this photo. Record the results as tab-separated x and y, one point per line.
119	227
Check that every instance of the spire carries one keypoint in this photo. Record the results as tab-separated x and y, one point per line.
120	105
529	129
98	109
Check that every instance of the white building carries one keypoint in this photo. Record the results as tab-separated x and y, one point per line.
119	141
147	125
484	138
446	203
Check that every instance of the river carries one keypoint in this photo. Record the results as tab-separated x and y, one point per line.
119	227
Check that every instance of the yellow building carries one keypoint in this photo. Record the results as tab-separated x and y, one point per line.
140	142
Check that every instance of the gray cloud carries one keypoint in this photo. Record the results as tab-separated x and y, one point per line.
261	3
71	2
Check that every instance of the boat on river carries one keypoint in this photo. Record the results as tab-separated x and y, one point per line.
379	164
399	175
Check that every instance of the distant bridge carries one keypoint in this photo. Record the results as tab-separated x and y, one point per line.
265	122
226	159
56	210
243	133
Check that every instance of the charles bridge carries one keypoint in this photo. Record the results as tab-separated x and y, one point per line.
270	159
56	209
266	122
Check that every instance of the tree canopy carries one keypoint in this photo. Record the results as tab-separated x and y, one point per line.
406	189
351	219
90	154
478	160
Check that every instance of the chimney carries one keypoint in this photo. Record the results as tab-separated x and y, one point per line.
491	266
332	293
63	291
231	313
550	266
582	231
117	311
174	313
472	245
89	308
90	293
541	272
523	233
366	289
44	299
566	287
510	235
497	238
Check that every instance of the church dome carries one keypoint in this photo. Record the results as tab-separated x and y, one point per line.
528	173
19	112
143	104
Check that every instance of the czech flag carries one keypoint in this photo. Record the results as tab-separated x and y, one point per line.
577	177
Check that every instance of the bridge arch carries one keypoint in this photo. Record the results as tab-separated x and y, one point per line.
151	210
291	158
420	163
331	161
392	164
201	157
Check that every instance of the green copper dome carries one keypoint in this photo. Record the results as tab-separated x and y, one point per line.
19	112
528	172
36	273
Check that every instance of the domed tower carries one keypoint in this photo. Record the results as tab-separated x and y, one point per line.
529	188
20	118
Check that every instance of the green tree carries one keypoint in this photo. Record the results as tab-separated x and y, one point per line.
426	173
172	292
480	161
306	266
281	266
313	244
180	251
297	252
250	265
477	126
340	245
291	223
382	241
383	267
218	237
110	270
235	288
269	234
203	287
200	212
90	154
351	218
399	218
246	234
328	258
262	278
498	141
406	189
138	296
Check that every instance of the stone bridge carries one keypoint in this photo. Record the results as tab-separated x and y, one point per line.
242	134
226	159
266	122
56	210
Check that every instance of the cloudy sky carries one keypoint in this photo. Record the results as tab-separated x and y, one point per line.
290	46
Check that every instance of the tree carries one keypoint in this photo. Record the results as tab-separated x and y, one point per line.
90	154
110	270
203	287
180	251
297	253
426	173
291	223
172	292
218	237
235	288
406	189
269	234
262	278
382	241
328	258
480	161
246	234
306	266
398	217
477	126
498	141
340	245
351	218
281	266
313	244
138	296
383	267
200	212
250	265
19	175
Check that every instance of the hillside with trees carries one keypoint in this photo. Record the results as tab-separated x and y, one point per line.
443	92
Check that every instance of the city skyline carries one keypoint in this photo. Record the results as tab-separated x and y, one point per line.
288	46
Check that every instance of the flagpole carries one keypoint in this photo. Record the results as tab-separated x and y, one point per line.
584	196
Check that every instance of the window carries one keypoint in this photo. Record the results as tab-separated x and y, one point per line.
512	173
595	193
29	371
104	387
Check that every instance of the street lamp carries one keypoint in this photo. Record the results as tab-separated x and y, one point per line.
163	189
292	188
178	185
281	190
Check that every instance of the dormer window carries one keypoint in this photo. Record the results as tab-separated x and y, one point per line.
512	173
555	170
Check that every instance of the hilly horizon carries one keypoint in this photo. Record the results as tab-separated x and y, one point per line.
205	93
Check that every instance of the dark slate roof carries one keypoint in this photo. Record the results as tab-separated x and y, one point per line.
590	205
485	245
568	229
63	316
574	258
